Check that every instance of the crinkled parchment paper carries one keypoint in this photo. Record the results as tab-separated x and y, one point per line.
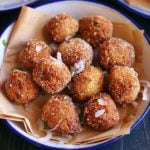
30	25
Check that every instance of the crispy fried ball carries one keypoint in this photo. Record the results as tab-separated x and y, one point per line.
95	29
123	85
74	50
20	87
87	83
33	51
60	114
62	27
116	51
101	113
52	75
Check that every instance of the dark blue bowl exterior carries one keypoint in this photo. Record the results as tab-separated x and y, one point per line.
98	145
137	11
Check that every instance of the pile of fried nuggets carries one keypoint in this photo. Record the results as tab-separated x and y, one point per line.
71	67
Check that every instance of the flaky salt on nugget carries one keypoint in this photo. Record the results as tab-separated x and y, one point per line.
74	50
87	83
62	27
116	51
95	29
52	75
123	85
101	113
60	114
20	87
33	51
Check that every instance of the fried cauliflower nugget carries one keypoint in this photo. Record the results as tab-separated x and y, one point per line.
101	113
74	50
62	27
33	51
123	85
95	29
87	83
60	114
52	75
116	51
20	87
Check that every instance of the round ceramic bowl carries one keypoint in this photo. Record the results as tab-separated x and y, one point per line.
6	5
134	9
77	9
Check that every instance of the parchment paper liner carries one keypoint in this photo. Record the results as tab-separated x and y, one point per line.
142	4
30	25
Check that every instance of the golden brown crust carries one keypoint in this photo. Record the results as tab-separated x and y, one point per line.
20	87
33	51
60	114
123	85
116	52
51	74
87	83
74	50
108	116
95	29
62	27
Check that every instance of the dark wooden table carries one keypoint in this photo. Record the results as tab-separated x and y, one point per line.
139	138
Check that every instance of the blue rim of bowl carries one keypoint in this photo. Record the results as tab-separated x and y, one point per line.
18	6
134	9
111	140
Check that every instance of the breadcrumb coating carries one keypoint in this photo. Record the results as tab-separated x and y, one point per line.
101	112
62	27
123	85
51	74
20	87
87	83
33	51
74	50
95	29
116	51
60	114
